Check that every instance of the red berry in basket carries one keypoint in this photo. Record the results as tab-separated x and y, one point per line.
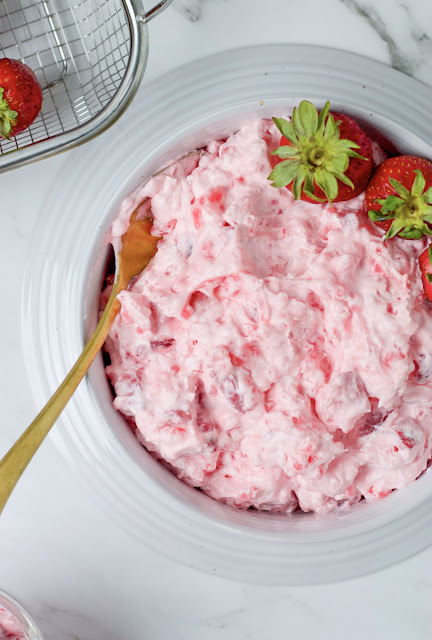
319	161
399	197
20	97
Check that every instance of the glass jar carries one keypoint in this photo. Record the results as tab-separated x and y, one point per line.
15	622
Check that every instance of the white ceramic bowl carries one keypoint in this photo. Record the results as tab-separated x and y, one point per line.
181	111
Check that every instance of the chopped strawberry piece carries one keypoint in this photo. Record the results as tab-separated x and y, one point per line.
235	361
269	403
197	218
186	313
231	392
407	441
384	494
371	422
251	348
214	195
423	368
165	342
198	299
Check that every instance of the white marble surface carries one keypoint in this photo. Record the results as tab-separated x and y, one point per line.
81	576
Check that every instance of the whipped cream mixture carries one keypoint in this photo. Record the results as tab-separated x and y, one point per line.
275	353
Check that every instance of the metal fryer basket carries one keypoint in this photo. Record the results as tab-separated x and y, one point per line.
88	55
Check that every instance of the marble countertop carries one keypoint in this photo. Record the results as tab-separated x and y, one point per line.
79	575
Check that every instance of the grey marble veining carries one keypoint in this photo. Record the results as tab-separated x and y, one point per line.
404	29
408	38
370	14
190	9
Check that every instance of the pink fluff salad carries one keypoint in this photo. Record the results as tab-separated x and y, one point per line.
276	354
10	627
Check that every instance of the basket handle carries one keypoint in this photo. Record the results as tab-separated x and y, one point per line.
155	11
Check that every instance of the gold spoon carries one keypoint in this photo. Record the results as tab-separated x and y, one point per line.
138	248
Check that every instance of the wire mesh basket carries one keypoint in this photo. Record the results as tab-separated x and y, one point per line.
88	55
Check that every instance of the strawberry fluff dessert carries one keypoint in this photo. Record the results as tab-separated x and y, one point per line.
10	627
277	351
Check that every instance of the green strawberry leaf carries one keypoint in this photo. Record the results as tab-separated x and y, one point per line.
430	253
343	178
399	188
376	216
286	130
286	152
328	183
330	128
427	196
418	184
308	116
397	225
345	145
336	136
322	118
354	154
284	173
391	203
298	183
417	232
309	183
429	277
295	119
340	162
411	234
8	117
424	228
313	196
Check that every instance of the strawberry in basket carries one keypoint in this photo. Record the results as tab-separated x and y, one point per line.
20	97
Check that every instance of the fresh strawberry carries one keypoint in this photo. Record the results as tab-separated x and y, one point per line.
20	97
399	197
425	264
318	158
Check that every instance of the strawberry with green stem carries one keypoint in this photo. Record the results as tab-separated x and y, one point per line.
399	197
319	161
20	97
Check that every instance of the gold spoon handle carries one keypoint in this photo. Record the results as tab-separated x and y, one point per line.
18	457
